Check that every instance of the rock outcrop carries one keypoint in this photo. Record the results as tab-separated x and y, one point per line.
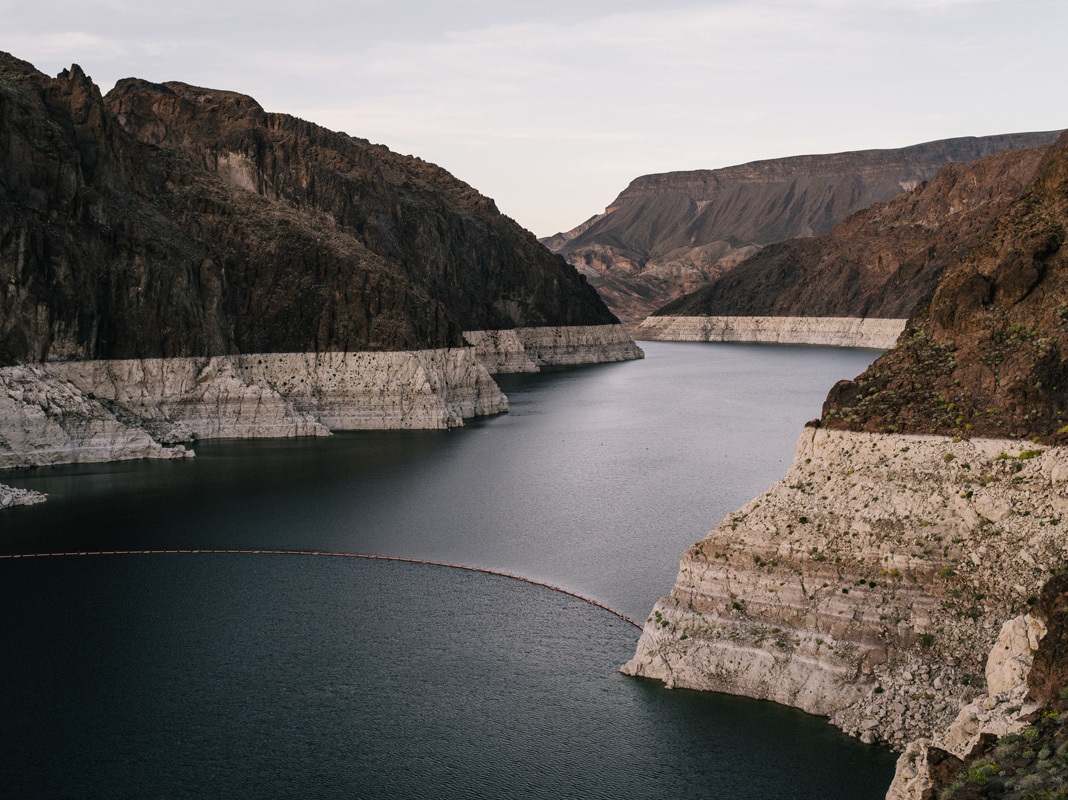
870	583
883	262
667	235
175	262
886	580
169	220
833	331
19	497
989	356
530	349
46	420
1010	742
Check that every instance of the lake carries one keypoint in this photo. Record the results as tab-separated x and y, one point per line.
195	675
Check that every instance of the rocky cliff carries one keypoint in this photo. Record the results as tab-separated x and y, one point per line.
884	261
823	331
668	234
987	357
920	515
177	221
177	261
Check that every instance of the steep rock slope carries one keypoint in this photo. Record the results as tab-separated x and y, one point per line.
668	234
176	262
872	582
444	236
883	261
113	249
988	356
229	230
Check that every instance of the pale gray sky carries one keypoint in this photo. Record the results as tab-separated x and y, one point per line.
552	107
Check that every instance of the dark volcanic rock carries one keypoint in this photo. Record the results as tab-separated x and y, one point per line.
884	261
668	234
989	356
241	232
447	238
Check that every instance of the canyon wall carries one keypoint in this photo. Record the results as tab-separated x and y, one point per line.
668	234
176	262
870	583
923	511
884	261
835	331
529	349
142	408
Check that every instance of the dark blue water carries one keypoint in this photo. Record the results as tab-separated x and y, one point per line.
289	676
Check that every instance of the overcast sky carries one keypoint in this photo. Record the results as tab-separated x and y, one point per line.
552	107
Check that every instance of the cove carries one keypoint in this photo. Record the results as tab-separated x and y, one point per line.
278	676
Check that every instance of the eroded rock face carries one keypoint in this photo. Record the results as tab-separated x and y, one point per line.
929	764
668	234
110	410
46	420
530	349
987	358
869	584
440	233
172	221
883	261
832	331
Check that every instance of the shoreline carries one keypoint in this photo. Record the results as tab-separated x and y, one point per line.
875	333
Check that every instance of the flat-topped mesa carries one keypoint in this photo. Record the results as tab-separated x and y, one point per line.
881	263
667	235
223	271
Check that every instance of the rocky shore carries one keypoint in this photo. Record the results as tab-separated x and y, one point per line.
870	583
118	409
19	497
834	331
82	411
530	349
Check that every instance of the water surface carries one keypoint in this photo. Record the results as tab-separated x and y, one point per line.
289	676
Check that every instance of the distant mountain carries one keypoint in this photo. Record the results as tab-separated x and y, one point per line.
668	234
884	261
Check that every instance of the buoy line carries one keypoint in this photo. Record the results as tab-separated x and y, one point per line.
332	555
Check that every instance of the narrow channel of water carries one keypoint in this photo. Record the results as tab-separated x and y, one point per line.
223	675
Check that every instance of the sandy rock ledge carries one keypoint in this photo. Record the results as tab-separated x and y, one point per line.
870	584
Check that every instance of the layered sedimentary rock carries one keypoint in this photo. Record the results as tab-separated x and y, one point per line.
668	234
295	394
884	261
929	764
1010	742
113	410
47	420
835	331
530	349
870	583
923	512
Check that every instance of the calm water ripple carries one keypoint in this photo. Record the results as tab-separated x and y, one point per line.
227	675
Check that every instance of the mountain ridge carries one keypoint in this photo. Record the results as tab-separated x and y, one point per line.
667	234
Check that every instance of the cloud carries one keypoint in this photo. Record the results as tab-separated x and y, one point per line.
62	44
